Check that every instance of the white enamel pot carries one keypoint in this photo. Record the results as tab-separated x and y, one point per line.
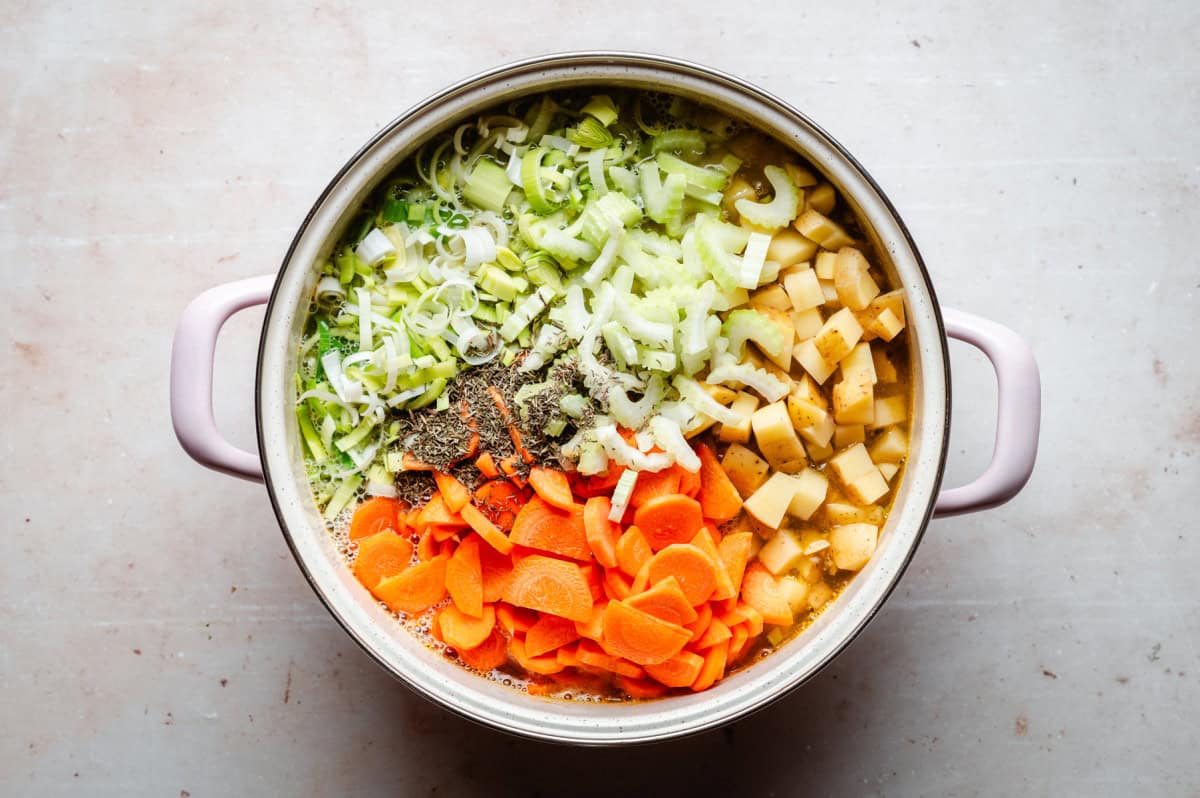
278	461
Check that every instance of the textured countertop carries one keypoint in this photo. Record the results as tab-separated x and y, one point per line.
158	638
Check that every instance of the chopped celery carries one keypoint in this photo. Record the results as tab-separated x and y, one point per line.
700	176
781	210
751	325
356	436
685	141
311	439
573	405
501	284
601	107
488	185
342	496
431	394
622	347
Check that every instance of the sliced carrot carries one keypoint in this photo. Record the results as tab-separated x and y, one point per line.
511	467
689	482
713	533
665	600
442	532
724	589
375	515
632	551
672	518
546	528
549	633
641	688
642	580
735	553
499	500
598	484
380	556
602	534
464	578
595	579
409	462
704	617
487	465
545	664
566	655
761	591
593	628
652	484
681	670
435	628
696	572
739	642
717	632
552	485
513	431
436	513
515	620
454	494
488	532
415	589
754	619
463	631
713	669
549	585
497	572
592	655
427	546
616	584
640	637
718	497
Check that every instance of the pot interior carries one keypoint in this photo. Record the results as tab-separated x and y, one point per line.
493	703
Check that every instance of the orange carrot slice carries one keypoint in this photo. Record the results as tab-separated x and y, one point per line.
640	637
488	655
549	633
549	585
489	532
642	580
373	516
666	601
713	669
541	526
632	551
427	546
681	670
739	643
515	620
595	579
735	553
551	484
415	589
616	584
464	579
689	482
717	632
641	688
461	631
593	628
704	617
696	572
545	664
598	484
453	493
718	497
408	462
566	655
486	464
513	431
380	556
499	500
673	518
724	589
602	534
497	572
761	591
652	484
436	513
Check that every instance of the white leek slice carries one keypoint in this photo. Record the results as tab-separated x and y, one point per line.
478	246
374	247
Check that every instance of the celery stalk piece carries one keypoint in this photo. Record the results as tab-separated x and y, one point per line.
342	496
621	495
488	185
749	325
781	210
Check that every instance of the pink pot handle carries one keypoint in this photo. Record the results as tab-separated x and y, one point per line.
192	375
1018	418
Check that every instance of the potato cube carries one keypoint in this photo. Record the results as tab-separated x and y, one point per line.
781	553
822	198
852	279
852	463
795	593
769	503
818	453
848	434
893	301
890	447
843	513
837	337
859	363
829	291
804	289
776	438
854	400
885	325
825	265
807	323
788	248
783	323
885	369
819	595
811	487
801	176
869	488
699	424
804	412
806	355
816	226
820	434
888	470
852	545
720	394
771	296
889	411
744	405
745	469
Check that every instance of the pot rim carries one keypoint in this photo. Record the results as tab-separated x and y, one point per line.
669	64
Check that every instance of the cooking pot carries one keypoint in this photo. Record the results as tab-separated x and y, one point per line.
279	460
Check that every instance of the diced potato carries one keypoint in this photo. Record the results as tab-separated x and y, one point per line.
819	595
852	279
854	401
699	424
885	369
869	488
776	438
804	412
804	289
811	487
745	469
889	411
893	301
781	553
852	545
806	355
795	593
824	265
788	247
738	188
806	387
888	470
829	291
802	177
859	363
783	323
816	226
719	393
843	513
885	325
810	570
852	463
822	198
807	323
820	435
769	503
744	405
848	434
771	296
837	337
890	447
818	453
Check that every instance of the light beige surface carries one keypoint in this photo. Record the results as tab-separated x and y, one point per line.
158	638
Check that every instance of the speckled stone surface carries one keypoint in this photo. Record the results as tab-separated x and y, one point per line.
158	638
